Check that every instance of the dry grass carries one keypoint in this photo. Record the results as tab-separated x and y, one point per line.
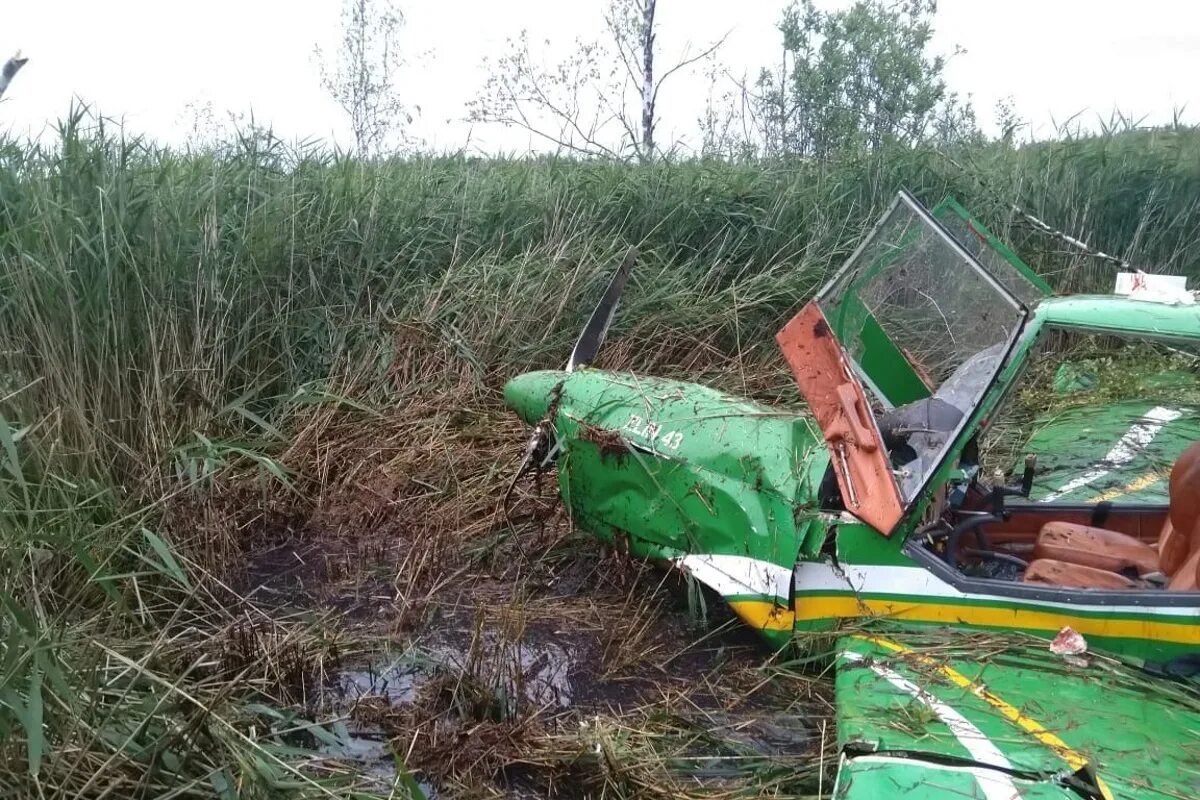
251	437
541	663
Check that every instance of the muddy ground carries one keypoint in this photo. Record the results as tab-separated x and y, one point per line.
499	652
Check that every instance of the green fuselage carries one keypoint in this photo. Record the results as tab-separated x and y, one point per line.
727	490
669	468
940	690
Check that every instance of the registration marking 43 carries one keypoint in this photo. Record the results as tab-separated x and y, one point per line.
653	432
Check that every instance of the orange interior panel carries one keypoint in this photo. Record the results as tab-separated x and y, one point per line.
1026	522
837	401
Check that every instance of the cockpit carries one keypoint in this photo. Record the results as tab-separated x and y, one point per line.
926	329
924	324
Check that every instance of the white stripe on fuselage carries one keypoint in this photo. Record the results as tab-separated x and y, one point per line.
994	783
918	582
1125	450
731	576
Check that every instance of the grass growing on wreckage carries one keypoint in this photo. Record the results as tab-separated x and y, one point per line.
253	440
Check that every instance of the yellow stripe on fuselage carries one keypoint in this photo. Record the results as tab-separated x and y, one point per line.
1136	485
765	615
1075	760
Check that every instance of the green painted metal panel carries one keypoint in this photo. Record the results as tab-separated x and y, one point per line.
858	543
879	777
1042	713
886	366
1123	315
680	468
1120	453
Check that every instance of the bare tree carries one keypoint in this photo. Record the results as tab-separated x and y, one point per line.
11	68
605	85
727	122
362	77
648	89
631	29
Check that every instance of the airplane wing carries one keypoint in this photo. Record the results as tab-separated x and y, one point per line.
1121	452
935	714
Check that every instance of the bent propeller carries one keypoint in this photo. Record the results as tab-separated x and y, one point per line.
539	450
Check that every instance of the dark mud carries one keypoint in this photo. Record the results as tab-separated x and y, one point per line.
500	655
493	691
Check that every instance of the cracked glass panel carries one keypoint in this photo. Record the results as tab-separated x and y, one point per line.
927	329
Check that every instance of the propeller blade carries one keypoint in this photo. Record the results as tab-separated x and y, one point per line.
592	335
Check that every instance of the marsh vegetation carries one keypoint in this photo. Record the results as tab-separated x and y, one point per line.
252	446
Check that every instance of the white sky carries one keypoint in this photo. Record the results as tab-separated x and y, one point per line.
146	60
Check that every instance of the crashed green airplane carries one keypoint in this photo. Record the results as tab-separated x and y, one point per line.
996	638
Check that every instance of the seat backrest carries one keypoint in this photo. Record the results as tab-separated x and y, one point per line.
1179	546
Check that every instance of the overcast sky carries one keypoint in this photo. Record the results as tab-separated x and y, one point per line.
148	60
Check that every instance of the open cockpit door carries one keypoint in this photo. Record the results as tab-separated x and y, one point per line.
895	354
837	401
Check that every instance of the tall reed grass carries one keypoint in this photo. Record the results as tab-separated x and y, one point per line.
168	316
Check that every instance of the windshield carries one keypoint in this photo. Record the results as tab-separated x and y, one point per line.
926	327
992	254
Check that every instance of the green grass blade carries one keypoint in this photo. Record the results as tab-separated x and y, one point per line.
166	558
35	734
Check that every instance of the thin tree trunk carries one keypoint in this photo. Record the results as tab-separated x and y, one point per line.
647	150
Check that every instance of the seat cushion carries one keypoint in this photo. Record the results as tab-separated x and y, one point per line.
1180	542
1184	489
1094	547
1187	577
1174	547
1062	573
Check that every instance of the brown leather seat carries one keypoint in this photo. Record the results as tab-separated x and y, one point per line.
1062	573
1179	546
1104	553
1095	547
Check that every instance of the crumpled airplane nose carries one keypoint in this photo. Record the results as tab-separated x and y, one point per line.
529	394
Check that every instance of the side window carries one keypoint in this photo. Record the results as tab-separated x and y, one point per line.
993	254
1105	416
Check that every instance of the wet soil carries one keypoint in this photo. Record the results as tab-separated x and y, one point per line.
489	688
504	654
